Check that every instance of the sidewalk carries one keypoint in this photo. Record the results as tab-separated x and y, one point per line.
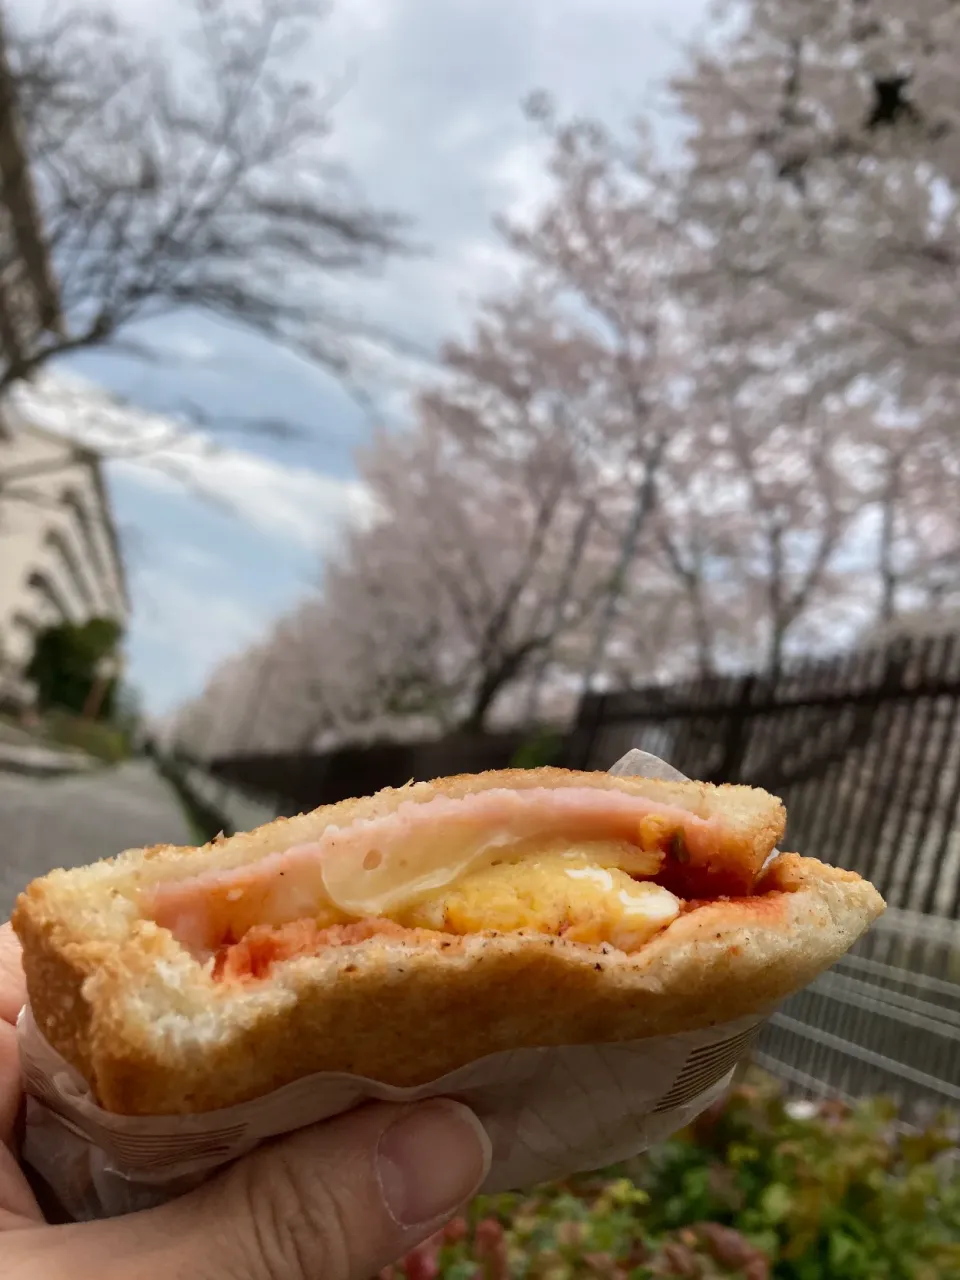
68	821
23	752
40	761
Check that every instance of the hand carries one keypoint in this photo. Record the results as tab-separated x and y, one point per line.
337	1202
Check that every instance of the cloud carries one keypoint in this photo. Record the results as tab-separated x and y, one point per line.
183	345
185	627
294	504
431	121
520	175
290	502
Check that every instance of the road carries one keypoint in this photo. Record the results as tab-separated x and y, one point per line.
69	821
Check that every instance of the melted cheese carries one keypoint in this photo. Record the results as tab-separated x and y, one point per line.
378	866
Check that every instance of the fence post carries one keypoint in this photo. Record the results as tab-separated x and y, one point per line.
735	744
581	740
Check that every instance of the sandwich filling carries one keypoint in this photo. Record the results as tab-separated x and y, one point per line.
593	865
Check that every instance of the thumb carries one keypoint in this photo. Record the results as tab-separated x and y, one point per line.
336	1202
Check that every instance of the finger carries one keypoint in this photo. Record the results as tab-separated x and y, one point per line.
13	987
11	1092
336	1202
18	1205
17	1201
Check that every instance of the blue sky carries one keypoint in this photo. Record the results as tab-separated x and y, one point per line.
430	126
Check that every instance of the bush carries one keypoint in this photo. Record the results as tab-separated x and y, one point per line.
542	749
757	1189
65	663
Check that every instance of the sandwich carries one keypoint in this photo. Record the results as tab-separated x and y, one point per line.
400	936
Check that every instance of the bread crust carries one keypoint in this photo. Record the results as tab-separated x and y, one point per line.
154	1034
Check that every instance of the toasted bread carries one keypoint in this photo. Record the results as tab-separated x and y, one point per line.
154	1030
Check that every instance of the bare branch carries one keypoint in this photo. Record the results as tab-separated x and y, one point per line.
201	186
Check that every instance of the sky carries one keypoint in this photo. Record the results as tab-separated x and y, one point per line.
428	119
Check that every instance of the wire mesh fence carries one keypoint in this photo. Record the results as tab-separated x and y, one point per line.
865	751
885	1020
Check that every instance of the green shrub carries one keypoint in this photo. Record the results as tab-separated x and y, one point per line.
754	1190
65	663
542	749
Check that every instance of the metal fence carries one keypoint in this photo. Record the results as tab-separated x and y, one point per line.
886	1020
308	779
865	751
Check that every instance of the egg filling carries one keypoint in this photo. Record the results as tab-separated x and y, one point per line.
578	863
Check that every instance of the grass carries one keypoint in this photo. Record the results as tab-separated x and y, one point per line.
204	822
102	741
64	729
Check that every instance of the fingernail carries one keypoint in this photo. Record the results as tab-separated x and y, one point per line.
431	1160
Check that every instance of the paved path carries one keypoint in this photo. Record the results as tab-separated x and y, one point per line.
68	821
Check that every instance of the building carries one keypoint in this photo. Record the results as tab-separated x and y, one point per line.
60	557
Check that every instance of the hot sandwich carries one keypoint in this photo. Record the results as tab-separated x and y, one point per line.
402	935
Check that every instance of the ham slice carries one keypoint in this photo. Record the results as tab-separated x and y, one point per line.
376	866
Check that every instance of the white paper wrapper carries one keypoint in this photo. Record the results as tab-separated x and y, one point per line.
549	1112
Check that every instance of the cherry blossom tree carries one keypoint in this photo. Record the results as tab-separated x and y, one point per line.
712	426
606	245
204	727
821	197
485	550
823	176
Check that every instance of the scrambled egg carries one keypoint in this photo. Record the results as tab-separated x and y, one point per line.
580	895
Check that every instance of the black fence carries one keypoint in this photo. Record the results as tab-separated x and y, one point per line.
864	749
304	781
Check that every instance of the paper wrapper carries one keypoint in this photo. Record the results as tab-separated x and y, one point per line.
550	1112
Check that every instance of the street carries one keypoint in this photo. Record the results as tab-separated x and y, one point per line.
69	821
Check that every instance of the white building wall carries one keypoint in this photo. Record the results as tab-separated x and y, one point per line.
58	554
